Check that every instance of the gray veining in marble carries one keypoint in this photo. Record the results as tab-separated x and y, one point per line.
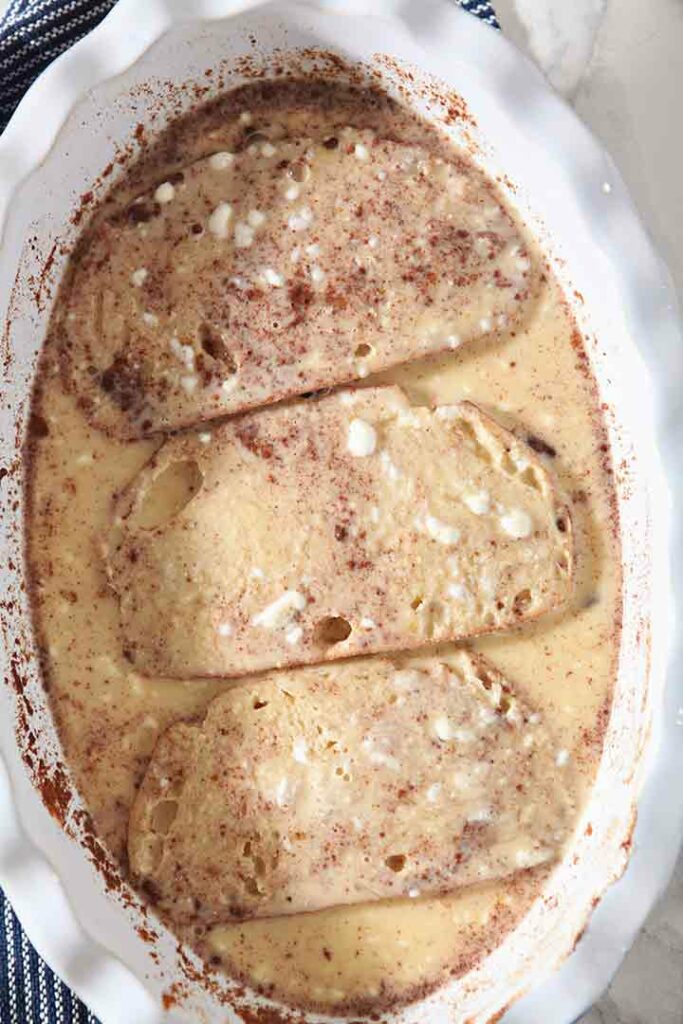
620	63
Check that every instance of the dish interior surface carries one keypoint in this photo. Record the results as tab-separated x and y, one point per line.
540	383
110	716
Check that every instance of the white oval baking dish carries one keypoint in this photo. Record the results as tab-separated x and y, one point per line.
78	116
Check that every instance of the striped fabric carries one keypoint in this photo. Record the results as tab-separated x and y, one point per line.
32	34
29	992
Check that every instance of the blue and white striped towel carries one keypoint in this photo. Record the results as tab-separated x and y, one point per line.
32	34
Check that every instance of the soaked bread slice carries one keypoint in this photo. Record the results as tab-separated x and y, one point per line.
285	268
367	780
347	525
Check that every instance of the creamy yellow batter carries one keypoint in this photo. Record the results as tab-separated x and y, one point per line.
109	717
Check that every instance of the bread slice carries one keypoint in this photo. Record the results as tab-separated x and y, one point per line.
362	781
283	269
347	525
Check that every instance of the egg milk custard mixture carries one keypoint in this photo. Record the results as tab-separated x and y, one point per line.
324	558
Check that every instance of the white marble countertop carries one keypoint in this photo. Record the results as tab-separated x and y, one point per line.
620	64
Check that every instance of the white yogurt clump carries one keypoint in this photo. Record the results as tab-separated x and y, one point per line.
219	220
281	611
447	412
441	532
389	467
293	635
272	277
256	218
244	235
300	750
184	353
362	438
164	193
283	792
301	220
221	161
479	502
517	523
138	277
407	679
442	728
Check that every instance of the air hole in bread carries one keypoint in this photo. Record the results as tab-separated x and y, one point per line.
333	630
168	494
141	210
363	350
530	478
417	602
150	856
214	346
252	887
485	679
257	861
561	524
121	381
522	602
258	704
507	465
480	450
563	564
300	171
466	429
396	862
163	816
255	139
